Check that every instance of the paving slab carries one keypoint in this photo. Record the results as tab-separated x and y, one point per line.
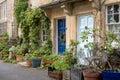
16	72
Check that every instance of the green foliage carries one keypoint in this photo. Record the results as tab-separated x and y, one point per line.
12	49
60	65
20	6
46	48
28	56
10	60
22	49
71	58
31	21
6	36
105	46
31	24
51	57
2	45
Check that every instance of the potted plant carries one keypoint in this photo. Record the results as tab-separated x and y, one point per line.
108	48
93	69
12	52
36	58
48	59
27	58
19	53
56	68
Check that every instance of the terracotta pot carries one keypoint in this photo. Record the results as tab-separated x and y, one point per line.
19	58
91	75
29	62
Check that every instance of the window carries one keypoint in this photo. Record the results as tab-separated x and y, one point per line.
44	33
3	28
3	10
113	18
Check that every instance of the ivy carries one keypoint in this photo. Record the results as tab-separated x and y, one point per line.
20	6
32	23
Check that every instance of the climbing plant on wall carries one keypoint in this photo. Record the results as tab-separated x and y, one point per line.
30	22
33	21
20	6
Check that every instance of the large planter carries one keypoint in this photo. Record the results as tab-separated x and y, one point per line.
19	58
110	75
91	75
54	74
36	62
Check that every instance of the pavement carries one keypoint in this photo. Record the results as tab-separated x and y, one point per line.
16	72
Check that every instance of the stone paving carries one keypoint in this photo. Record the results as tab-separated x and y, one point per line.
16	72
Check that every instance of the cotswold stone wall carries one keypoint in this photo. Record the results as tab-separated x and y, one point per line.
10	19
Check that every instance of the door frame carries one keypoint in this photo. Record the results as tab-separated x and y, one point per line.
56	21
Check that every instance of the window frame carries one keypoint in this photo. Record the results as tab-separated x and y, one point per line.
43	35
3	10
113	23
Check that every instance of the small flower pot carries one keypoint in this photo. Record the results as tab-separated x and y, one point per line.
36	62
110	75
19	58
29	62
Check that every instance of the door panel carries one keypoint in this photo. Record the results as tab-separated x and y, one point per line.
82	22
61	35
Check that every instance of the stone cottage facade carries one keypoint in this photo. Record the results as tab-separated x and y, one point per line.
7	20
74	15
69	18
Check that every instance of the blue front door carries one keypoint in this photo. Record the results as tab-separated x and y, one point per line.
61	35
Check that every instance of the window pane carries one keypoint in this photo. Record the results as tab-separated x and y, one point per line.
116	8
117	27
110	27
110	19
43	32
116	17
43	38
110	9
